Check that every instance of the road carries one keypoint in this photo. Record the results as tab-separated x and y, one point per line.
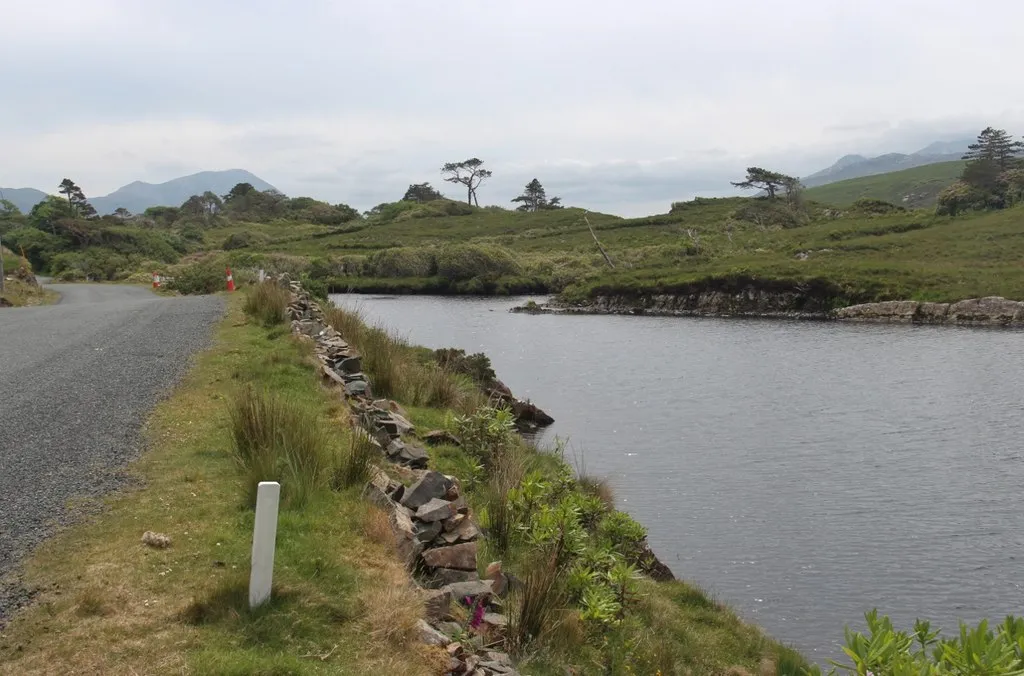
77	381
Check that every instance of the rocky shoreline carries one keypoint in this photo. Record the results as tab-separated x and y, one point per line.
751	303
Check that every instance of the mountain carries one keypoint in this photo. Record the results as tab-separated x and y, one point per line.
23	198
857	166
913	188
138	196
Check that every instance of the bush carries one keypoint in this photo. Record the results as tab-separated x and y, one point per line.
277	440
872	206
204	277
267	303
469	261
402	262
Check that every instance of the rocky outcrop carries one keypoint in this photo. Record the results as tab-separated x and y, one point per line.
989	311
794	304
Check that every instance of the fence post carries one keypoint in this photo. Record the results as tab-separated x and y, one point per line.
264	537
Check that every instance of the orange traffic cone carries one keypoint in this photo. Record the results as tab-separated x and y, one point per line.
156	281
231	281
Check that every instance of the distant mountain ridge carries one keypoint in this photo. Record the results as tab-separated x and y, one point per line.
138	196
23	198
858	166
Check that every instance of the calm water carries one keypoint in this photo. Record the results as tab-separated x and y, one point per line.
802	472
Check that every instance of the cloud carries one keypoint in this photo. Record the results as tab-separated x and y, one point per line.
619	105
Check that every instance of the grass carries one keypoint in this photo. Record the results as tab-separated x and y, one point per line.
267	303
109	604
916	187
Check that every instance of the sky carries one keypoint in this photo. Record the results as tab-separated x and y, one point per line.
622	107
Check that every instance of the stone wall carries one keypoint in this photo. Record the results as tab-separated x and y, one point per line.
436	532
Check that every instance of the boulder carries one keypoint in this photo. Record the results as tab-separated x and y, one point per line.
426	532
496	620
459	557
435	510
444	576
404	426
379	490
431	485
472	589
406	542
329	373
993	310
466	531
431	636
437	603
932	313
351	365
356	388
440	438
413	456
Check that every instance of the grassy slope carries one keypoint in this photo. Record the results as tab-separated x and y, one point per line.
111	605
868	257
914	188
18	293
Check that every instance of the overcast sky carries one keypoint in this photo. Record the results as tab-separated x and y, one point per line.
616	106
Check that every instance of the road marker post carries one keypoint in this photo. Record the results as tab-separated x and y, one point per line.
156	281
231	281
264	539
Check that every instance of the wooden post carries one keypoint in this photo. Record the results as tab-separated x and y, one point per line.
264	538
599	247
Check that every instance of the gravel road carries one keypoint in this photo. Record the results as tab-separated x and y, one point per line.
77	381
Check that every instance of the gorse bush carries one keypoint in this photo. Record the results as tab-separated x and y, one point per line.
277	440
267	303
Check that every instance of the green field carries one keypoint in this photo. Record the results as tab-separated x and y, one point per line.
912	188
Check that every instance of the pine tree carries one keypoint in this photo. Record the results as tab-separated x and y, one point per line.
534	198
769	181
78	206
995	146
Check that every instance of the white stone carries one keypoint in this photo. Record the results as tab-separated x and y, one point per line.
264	538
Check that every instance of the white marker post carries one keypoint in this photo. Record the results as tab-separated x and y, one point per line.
264	537
263	275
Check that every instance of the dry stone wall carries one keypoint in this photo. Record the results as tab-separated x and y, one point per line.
436	533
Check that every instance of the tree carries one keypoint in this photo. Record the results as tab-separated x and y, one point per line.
78	206
240	190
122	213
422	192
469	173
534	198
996	146
8	209
769	181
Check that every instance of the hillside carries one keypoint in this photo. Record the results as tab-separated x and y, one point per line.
913	188
23	198
138	196
857	166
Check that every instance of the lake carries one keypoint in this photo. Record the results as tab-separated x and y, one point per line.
803	472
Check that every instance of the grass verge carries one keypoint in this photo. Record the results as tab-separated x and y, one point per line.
107	604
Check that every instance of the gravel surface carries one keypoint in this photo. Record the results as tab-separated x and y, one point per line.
77	381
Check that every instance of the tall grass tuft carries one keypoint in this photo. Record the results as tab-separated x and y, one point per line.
267	303
536	606
507	473
356	465
278	440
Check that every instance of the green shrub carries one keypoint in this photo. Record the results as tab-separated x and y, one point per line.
267	303
469	261
403	262
278	440
207	276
